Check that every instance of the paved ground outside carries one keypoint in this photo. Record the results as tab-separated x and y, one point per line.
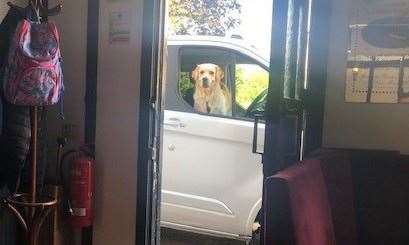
173	237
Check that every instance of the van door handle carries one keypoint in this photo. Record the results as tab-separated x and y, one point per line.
257	118
174	123
171	124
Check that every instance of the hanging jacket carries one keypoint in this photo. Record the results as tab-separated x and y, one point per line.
16	129
15	137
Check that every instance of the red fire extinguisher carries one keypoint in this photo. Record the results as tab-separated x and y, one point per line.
80	187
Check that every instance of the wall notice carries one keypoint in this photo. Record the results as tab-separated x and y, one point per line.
119	26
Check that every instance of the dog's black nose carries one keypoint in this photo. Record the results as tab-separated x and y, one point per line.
205	81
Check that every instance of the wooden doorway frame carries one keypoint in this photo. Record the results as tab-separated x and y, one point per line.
149	141
148	175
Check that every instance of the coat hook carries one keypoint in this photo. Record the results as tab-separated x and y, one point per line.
58	6
53	11
12	5
49	12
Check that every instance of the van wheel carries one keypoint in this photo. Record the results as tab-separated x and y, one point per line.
255	238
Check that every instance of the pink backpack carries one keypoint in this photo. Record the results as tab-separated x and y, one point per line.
33	75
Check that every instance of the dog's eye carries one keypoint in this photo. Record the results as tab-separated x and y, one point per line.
211	72
202	72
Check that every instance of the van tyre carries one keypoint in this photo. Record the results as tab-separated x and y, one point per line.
255	239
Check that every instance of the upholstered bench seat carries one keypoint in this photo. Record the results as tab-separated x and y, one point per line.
344	197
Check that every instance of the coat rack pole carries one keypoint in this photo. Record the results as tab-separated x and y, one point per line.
33	167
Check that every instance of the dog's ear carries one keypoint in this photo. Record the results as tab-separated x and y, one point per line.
195	74
219	73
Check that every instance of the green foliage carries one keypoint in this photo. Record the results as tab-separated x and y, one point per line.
251	80
185	84
204	17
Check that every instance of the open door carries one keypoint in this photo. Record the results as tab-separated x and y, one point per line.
285	109
294	109
293	114
148	179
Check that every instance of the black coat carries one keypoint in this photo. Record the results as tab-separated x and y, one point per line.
16	129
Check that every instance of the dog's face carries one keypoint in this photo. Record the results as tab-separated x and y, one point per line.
207	75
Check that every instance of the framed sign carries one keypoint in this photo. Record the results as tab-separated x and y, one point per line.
120	26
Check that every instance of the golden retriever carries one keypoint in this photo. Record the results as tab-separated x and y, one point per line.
211	94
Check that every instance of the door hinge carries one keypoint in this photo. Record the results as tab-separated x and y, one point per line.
153	105
153	149
153	153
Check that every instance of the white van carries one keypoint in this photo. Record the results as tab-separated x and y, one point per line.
211	174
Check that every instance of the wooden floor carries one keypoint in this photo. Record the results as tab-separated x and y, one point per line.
173	237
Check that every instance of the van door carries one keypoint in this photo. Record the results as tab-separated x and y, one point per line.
212	181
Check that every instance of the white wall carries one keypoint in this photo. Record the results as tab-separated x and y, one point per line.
117	124
3	10
117	114
347	125
72	23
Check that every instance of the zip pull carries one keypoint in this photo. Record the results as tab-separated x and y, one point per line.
70	208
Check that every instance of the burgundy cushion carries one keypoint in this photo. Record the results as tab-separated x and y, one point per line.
336	170
348	196
381	186
309	205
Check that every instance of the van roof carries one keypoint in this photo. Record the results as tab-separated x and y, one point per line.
222	42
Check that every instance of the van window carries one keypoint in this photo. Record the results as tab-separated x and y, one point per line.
251	86
241	85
